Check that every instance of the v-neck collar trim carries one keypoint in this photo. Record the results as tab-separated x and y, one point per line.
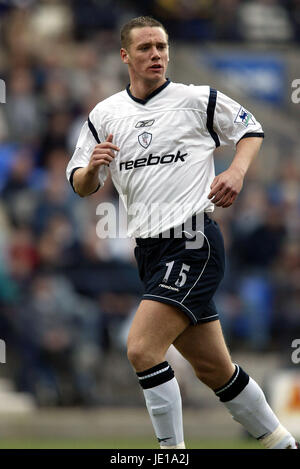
151	95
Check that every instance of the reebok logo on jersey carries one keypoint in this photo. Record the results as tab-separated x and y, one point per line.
153	160
148	123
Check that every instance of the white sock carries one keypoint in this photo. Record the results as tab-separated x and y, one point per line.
179	446
163	402
251	410
279	439
247	404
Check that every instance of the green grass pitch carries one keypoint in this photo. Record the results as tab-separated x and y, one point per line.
121	443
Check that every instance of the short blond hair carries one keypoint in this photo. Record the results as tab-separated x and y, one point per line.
139	22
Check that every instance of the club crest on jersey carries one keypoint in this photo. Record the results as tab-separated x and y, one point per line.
244	117
145	139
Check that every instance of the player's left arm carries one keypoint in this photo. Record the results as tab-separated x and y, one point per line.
233	126
228	184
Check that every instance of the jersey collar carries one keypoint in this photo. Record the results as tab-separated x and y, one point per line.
151	95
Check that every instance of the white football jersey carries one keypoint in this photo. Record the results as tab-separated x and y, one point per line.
165	165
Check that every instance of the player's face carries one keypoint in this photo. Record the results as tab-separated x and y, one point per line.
147	55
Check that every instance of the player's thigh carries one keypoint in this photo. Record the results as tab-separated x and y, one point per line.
205	348
154	328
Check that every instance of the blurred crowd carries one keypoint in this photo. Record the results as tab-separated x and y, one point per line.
65	294
272	20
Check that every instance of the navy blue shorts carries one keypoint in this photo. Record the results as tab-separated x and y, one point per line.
184	278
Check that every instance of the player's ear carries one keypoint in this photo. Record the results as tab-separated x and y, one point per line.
124	55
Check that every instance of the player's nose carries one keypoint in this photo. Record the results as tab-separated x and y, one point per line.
155	53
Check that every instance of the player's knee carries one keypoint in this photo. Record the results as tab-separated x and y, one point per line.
134	355
140	356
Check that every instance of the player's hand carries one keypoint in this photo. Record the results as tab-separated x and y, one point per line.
226	187
103	154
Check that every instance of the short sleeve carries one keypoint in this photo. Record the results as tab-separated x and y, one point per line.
80	159
232	122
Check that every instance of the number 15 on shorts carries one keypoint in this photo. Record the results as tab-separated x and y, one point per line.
182	274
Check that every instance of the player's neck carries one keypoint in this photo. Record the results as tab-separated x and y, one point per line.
142	90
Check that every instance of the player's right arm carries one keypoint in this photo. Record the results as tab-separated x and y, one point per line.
87	170
86	180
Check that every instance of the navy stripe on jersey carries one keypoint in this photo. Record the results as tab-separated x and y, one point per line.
71	180
151	95
253	134
210	115
71	176
93	130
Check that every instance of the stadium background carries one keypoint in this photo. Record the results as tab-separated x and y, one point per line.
66	296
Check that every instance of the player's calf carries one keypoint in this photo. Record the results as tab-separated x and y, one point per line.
213	374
